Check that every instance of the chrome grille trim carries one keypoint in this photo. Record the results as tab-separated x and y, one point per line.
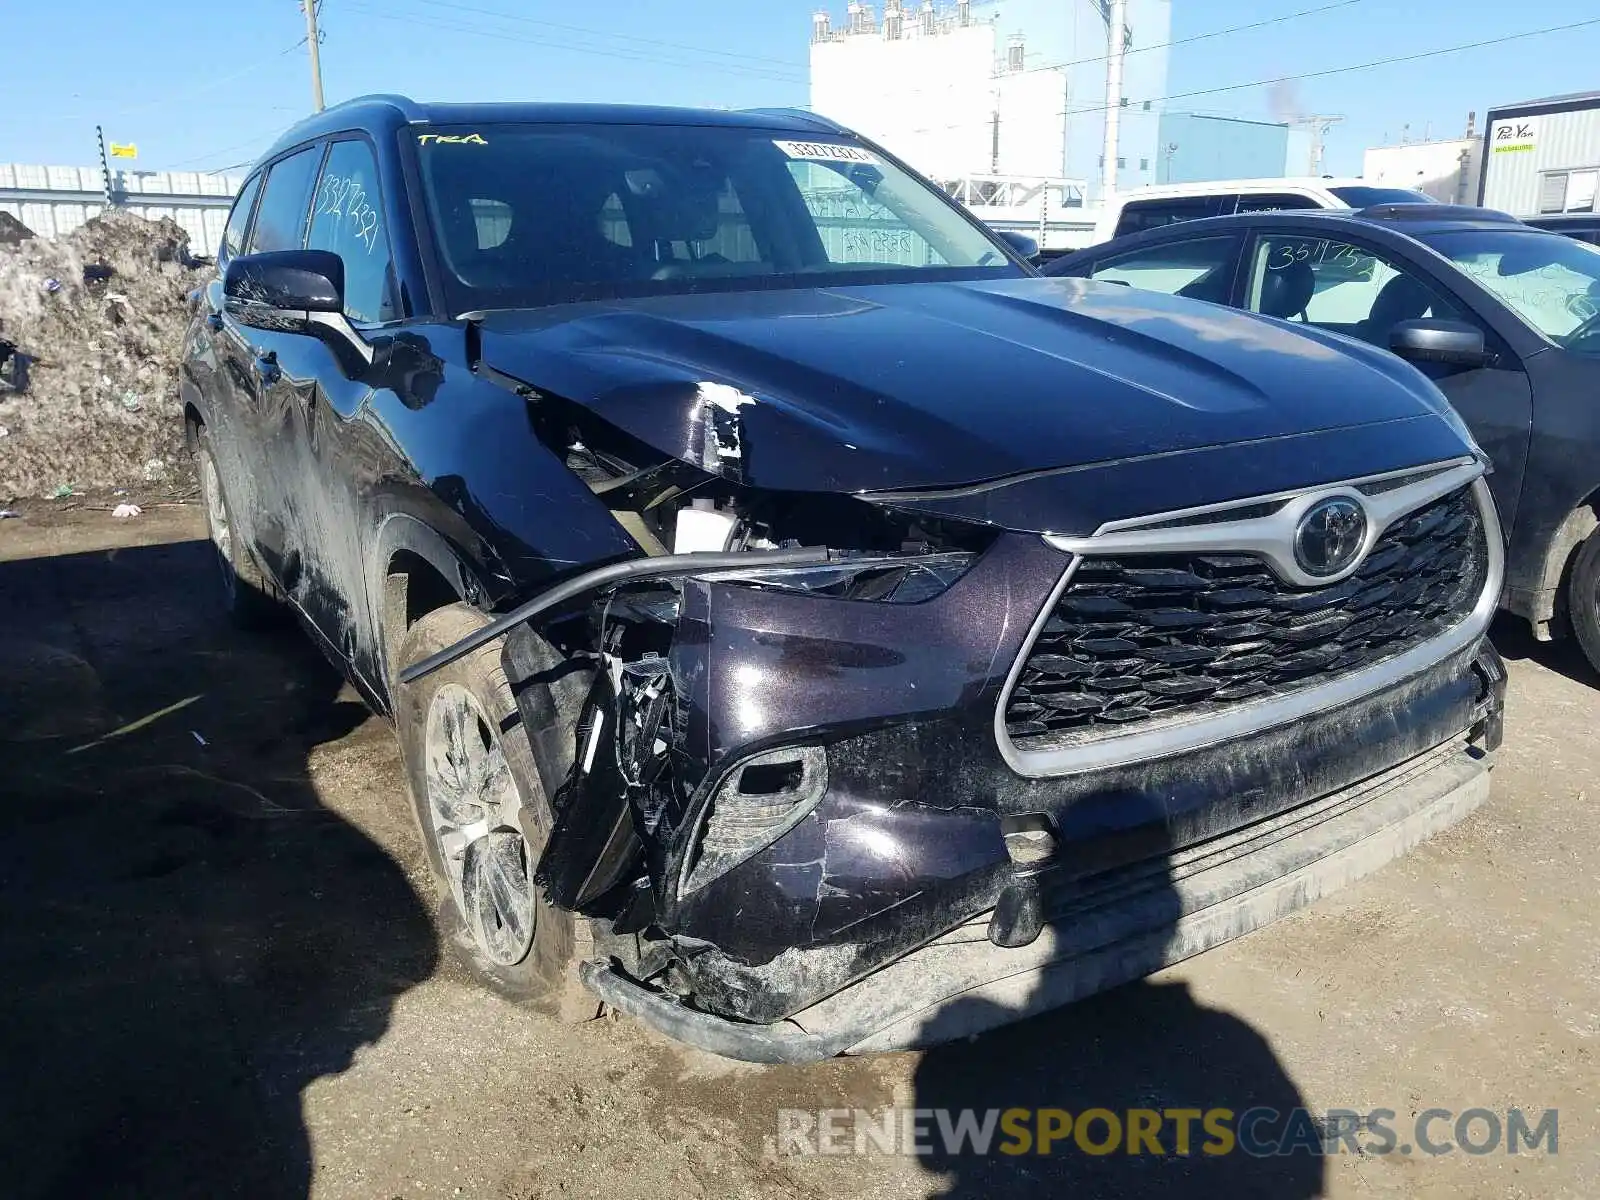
1270	536
1248	536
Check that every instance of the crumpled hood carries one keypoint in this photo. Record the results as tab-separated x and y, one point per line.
936	385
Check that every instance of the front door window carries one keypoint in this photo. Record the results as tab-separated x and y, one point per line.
1338	285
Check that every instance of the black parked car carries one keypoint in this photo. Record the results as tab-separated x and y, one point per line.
1583	226
1504	318
799	620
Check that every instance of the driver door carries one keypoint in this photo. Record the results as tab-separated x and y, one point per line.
1354	287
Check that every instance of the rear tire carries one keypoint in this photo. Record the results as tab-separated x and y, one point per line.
1583	598
483	814
248	596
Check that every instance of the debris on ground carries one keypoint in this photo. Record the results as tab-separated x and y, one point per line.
93	327
7	514
62	492
123	511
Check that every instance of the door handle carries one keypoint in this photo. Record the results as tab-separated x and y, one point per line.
266	364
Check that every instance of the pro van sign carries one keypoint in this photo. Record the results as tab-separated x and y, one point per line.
1519	133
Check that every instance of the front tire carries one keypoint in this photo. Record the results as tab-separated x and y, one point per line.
1583	598
482	811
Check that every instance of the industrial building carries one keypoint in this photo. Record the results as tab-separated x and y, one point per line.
1542	156
1447	169
1197	147
1005	88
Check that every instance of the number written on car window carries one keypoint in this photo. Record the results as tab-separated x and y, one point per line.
347	219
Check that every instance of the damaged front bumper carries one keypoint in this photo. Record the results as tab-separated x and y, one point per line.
798	832
909	923
1125	926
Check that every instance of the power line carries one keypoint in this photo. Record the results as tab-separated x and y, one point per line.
625	53
190	93
1366	66
210	155
1198	37
1322	74
620	37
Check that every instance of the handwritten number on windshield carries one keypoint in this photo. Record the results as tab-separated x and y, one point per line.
1317	253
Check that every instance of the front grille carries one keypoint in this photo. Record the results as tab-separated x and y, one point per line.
1140	639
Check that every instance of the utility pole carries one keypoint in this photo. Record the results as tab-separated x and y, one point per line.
316	58
1115	13
1319	126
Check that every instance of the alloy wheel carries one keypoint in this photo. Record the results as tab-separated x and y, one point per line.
476	813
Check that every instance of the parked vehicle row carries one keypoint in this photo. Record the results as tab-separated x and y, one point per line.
806	628
1503	317
1170	203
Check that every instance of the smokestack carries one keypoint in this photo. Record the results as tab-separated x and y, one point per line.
1472	123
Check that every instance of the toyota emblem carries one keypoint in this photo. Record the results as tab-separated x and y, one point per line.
1330	536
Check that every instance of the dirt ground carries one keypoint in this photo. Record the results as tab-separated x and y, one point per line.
221	978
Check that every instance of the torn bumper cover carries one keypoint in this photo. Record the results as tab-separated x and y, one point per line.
1124	927
843	844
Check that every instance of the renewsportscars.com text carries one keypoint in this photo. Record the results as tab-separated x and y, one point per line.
1259	1132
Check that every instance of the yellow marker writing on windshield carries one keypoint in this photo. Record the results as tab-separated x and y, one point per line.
452	139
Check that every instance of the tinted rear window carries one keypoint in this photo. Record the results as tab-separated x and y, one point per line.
1139	215
1366	197
286	202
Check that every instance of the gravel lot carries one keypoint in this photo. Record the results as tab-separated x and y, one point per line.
221	976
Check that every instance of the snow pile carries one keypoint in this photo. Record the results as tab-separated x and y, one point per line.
99	318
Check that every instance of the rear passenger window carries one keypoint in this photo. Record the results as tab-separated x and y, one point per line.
1201	269
348	220
1139	215
239	219
1274	202
281	218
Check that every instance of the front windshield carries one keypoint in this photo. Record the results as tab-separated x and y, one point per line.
1551	282
539	214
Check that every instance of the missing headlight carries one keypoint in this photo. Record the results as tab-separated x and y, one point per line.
755	804
886	579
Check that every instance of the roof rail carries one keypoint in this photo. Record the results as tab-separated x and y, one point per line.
798	114
1433	212
407	106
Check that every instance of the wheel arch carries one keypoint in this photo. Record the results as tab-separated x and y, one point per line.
1574	530
414	570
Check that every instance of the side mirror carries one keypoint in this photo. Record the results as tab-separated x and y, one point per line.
283	289
1021	244
1453	343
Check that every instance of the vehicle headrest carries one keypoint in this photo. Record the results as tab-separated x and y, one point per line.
683	205
1402	299
1287	290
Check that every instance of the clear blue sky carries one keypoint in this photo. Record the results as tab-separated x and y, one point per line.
206	85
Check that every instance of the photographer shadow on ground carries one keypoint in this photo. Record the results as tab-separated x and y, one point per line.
1146	1047
189	936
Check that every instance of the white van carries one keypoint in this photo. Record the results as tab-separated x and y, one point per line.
1144	208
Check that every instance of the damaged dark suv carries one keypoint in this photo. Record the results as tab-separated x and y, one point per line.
806	628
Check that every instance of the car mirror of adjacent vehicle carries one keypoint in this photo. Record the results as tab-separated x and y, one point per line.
1021	244
1452	343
